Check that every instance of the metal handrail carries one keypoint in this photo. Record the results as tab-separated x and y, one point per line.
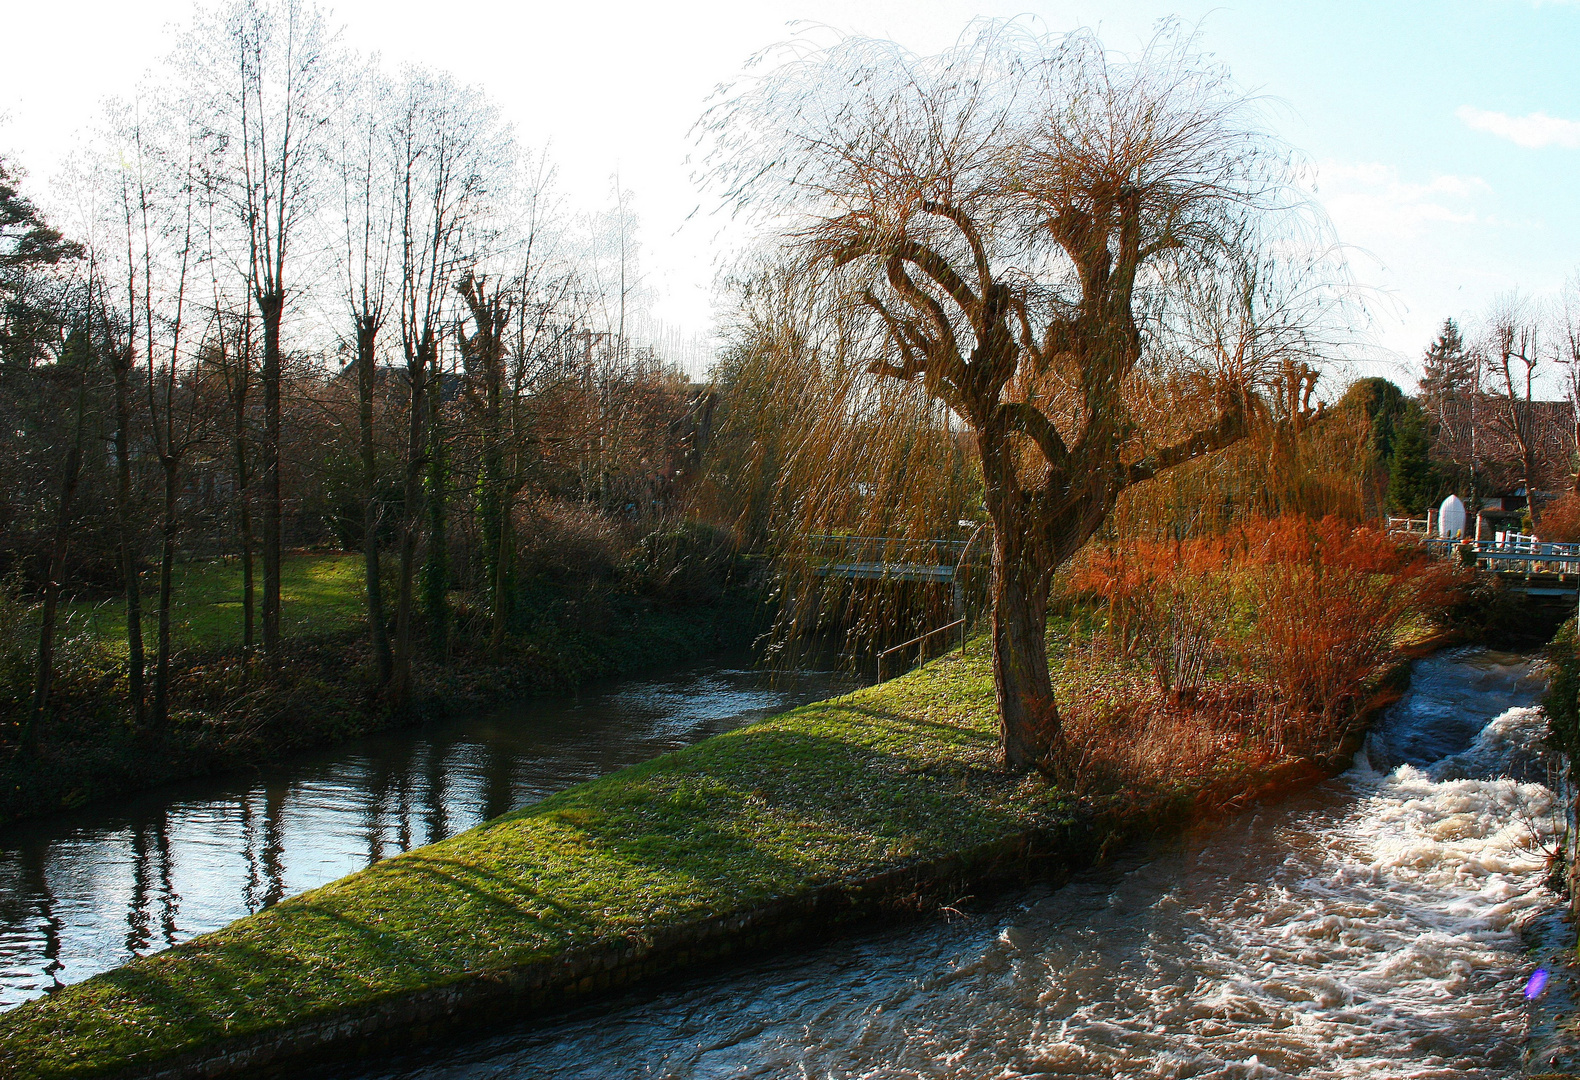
918	640
885	543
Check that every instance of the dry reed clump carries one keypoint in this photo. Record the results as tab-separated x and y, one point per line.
568	540
1148	742
1251	645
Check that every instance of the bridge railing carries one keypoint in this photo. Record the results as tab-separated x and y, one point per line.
1515	551
885	549
891	558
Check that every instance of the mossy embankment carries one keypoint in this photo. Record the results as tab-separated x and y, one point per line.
888	798
226	715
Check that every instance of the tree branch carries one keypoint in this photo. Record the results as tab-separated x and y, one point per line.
1230	429
968	229
1029	421
937	267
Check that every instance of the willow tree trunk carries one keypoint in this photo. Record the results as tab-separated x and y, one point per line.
1036	529
126	536
271	307
1028	715
367	330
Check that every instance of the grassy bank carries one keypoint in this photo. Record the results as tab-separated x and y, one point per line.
321	597
827	796
225	715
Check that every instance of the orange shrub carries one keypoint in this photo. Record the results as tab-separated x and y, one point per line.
1304	611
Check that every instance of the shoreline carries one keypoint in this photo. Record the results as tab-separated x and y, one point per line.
940	825
323	701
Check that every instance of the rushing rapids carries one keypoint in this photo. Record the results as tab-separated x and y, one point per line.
1370	927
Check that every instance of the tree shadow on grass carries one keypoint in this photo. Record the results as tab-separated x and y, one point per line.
971	733
674	840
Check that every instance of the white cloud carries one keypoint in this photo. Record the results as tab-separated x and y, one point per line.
1534	131
1368	201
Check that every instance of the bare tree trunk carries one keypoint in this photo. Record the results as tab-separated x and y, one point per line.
1528	457
167	560
243	503
436	569
372	511
127	537
497	513
485	349
44	672
271	307
411	518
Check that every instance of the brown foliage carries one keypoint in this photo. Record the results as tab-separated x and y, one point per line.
1267	634
1561	519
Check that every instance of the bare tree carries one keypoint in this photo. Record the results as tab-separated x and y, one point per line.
123	360
1564	343
998	227
71	477
483	351
267	71
451	157
367	228
1510	357
515	329
170	185
231	353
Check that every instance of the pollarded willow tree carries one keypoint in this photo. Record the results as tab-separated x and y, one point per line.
1013	230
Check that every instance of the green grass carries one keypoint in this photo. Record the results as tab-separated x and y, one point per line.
839	789
320	596
843	789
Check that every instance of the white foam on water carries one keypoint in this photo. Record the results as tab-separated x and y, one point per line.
1387	945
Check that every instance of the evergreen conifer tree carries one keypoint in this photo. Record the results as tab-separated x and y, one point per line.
1413	480
1450	368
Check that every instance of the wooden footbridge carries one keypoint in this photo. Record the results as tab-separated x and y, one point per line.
1520	563
887	558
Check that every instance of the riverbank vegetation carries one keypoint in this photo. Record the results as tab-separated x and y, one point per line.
320	409
566	629
829	794
1262	639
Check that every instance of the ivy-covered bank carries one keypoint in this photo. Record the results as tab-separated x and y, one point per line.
886	798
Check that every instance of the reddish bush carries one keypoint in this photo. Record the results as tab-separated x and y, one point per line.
1560	519
1303	612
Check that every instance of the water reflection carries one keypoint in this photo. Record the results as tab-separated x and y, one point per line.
84	892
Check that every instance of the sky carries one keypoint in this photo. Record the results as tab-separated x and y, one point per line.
1445	133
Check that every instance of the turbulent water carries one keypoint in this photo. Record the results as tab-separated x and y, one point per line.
1369	928
81	893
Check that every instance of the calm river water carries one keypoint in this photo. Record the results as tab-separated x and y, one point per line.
84	892
1368	928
